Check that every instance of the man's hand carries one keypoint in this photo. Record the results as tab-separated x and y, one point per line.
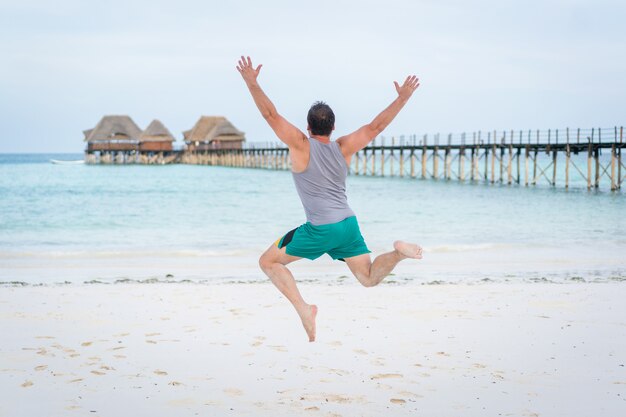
357	140
406	90
286	132
247	71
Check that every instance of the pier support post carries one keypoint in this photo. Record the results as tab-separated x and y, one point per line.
364	161
567	157
501	163
391	157
462	164
447	163
589	159
510	165
473	164
613	158
534	181
493	163
619	158
436	162
596	155
486	163
382	159
554	157
424	159
527	154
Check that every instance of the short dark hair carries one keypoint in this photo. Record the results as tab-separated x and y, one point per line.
321	119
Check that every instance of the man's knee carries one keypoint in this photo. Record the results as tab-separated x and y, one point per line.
365	280
265	262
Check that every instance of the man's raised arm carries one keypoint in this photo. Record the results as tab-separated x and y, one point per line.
286	132
354	142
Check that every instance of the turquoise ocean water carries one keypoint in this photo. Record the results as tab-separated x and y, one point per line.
83	223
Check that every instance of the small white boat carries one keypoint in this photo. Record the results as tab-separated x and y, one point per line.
58	162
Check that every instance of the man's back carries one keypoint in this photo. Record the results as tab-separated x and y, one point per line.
322	184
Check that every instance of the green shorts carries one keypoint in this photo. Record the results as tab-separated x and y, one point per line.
340	240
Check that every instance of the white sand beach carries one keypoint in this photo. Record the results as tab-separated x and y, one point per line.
239	350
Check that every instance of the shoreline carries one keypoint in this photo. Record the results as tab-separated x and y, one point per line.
239	349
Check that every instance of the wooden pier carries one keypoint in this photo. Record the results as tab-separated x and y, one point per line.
569	158
590	158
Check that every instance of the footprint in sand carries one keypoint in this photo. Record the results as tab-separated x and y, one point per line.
360	351
98	373
27	384
386	376
409	394
154	342
479	365
44	352
397	401
233	391
152	334
41	367
259	341
175	383
121	335
74	380
278	348
333	398
314	408
159	372
335	343
86	343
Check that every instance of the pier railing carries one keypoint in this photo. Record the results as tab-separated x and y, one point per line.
590	158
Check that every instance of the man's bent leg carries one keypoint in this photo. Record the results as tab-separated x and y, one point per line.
273	262
372	273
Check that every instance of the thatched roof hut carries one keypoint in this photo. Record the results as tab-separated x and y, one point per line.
114	133
156	137
213	132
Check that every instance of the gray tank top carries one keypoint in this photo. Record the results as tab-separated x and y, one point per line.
322	185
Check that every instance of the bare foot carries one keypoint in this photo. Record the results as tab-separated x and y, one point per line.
410	250
308	321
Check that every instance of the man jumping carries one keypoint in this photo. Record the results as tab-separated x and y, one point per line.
319	169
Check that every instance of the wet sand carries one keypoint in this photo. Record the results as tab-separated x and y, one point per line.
239	350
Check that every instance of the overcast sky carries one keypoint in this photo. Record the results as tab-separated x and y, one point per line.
488	64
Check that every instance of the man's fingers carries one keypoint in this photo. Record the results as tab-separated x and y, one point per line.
249	62
258	68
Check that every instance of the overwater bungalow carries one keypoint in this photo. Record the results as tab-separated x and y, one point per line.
113	133
213	132
156	138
